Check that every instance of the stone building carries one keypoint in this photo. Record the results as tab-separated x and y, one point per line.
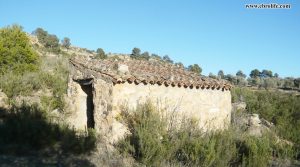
98	88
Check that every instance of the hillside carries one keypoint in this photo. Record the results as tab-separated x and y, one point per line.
34	112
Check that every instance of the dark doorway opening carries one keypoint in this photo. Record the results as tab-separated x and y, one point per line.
88	89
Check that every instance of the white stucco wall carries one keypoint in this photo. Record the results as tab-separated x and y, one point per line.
211	108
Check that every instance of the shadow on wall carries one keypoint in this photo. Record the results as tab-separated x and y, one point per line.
27	129
88	89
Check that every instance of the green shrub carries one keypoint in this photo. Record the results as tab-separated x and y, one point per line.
280	108
148	130
256	151
153	143
100	54
50	41
50	103
215	149
29	83
17	55
53	77
13	84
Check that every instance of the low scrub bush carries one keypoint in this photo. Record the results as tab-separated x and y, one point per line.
153	143
282	109
13	85
53	77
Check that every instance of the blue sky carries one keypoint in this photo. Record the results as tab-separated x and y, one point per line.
214	34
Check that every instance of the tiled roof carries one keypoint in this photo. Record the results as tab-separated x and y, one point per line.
148	72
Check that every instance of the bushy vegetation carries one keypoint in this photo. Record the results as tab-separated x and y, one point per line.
100	54
261	79
153	142
26	129
66	42
50	41
167	59
282	109
195	68
16	54
23	73
136	54
52	77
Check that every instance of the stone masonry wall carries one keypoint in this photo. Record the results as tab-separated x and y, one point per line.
76	106
211	107
102	98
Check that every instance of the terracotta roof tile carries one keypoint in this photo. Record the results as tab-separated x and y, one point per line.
148	72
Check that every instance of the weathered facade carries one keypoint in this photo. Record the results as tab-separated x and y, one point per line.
98	88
